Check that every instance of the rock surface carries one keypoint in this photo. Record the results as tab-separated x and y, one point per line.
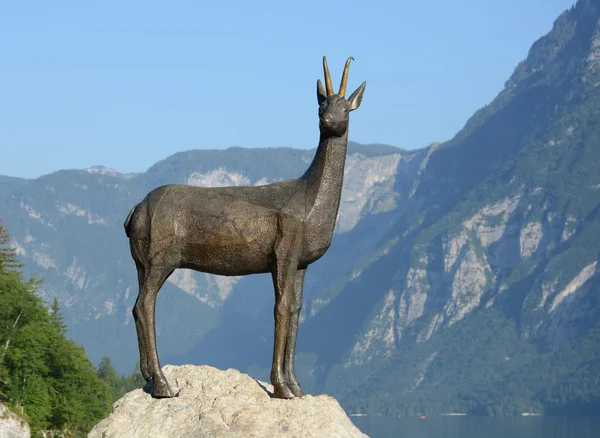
215	403
12	426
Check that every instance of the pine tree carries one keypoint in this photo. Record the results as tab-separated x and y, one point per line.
106	371
8	254
134	380
56	317
120	384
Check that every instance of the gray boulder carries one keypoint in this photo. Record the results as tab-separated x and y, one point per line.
11	426
215	403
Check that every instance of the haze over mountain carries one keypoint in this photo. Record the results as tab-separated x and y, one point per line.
462	276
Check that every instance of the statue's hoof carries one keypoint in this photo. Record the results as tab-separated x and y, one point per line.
161	389
145	373
280	390
296	390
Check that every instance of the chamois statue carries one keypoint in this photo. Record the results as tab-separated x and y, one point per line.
279	228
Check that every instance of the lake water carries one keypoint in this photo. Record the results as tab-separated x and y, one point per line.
479	427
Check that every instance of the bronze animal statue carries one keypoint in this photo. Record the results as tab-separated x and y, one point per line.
279	228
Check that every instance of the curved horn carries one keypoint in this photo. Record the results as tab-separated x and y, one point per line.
342	92
328	85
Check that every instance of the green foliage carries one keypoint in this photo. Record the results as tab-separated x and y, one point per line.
479	366
8	255
119	384
44	376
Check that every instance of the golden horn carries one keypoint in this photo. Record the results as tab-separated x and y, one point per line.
342	92
328	85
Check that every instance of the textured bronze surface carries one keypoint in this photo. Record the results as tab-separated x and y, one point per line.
278	228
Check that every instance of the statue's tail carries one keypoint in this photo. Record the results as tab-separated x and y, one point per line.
128	221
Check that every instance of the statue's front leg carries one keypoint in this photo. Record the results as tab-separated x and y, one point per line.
284	275
289	369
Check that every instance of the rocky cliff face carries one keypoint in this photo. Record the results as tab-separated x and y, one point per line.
218	403
504	223
521	215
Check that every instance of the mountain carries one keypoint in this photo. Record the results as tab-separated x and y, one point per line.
461	277
68	229
485	298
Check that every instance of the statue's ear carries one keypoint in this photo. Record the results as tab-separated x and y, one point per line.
356	98
321	94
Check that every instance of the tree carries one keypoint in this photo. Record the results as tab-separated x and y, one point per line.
44	376
119	384
8	254
134	380
56	317
108	374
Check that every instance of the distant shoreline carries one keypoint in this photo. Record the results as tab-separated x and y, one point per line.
446	414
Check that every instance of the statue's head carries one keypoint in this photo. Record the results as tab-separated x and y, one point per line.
334	109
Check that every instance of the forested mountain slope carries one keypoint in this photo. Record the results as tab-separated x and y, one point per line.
485	298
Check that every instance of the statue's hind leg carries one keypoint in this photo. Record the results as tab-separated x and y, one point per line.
144	313
144	366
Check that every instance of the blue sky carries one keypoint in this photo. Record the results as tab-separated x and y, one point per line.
125	84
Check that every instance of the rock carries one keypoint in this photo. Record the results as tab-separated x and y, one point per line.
215	403
11	426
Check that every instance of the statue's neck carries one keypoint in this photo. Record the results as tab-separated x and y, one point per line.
325	177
